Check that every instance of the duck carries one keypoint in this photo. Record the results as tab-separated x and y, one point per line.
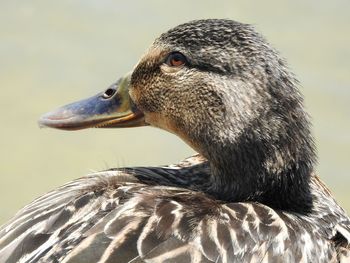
250	194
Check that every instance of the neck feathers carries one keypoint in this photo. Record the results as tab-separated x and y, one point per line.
270	161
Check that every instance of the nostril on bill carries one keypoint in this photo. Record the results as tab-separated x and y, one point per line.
109	93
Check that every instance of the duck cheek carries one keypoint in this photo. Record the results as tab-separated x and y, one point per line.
139	98
157	120
165	123
134	96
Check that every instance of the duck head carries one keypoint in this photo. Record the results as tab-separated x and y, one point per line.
219	86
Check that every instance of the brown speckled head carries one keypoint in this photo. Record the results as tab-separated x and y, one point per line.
219	86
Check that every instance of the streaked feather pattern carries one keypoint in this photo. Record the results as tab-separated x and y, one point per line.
121	216
233	99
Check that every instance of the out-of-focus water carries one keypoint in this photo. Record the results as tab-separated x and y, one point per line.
54	52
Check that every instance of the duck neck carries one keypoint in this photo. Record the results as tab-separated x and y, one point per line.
255	167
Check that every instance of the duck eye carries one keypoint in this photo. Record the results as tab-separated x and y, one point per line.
176	59
109	93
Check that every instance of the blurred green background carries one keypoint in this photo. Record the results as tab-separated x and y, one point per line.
55	52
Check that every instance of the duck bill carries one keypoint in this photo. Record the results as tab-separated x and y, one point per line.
110	109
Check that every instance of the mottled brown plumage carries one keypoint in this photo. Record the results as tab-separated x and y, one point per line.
251	195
